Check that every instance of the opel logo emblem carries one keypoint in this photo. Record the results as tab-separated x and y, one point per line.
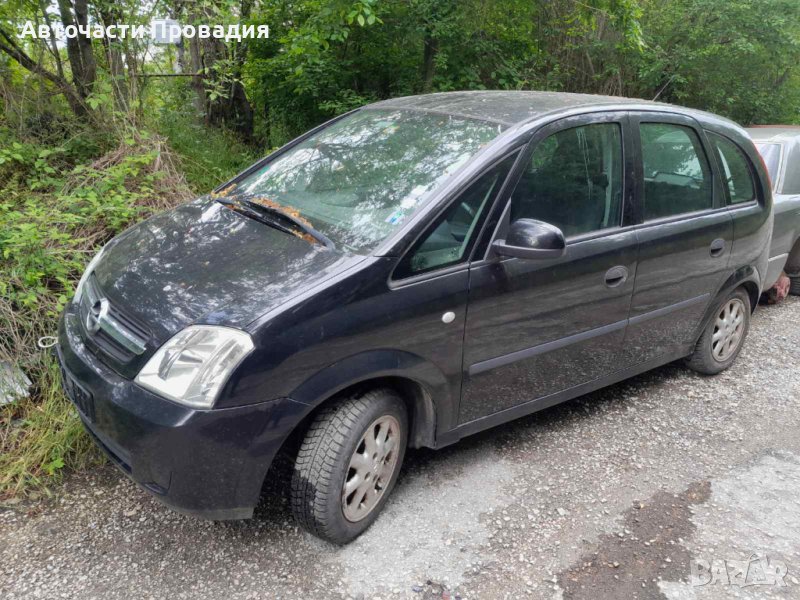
96	315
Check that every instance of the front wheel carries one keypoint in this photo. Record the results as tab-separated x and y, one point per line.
723	337
348	464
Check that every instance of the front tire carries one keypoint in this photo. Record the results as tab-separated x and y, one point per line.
348	464
723	337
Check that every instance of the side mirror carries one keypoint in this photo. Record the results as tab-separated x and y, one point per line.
528	238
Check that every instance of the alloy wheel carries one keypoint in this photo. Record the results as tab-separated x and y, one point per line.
728	330
371	468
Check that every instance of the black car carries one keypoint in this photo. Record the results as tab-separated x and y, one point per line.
407	274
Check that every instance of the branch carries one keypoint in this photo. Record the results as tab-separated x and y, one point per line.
11	48
663	88
53	44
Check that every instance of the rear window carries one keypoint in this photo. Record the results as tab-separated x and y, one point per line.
735	170
771	153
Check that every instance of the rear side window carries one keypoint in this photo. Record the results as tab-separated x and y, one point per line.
449	239
574	180
677	176
735	170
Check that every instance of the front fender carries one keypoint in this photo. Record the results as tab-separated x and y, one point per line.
433	400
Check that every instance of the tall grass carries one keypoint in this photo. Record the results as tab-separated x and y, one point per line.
209	156
60	200
42	436
56	208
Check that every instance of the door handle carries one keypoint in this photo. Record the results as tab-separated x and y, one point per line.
717	247
616	276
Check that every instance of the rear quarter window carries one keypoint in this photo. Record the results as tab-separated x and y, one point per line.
735	169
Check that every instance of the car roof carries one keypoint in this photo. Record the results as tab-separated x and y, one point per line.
774	133
517	107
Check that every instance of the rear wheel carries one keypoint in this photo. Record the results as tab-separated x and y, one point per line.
348	464
794	285
723	337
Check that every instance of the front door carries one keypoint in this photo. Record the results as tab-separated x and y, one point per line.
685	236
537	327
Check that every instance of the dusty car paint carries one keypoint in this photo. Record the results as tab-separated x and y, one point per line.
524	334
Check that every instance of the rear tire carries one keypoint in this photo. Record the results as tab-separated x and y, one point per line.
723	337
348	464
794	286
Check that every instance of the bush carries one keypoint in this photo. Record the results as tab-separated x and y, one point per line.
55	212
209	156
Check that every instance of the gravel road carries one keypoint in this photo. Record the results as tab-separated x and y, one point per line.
624	493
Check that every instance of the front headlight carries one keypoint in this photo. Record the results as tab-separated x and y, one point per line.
192	367
88	271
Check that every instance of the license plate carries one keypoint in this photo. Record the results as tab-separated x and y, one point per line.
80	397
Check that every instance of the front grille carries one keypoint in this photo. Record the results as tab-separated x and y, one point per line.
114	333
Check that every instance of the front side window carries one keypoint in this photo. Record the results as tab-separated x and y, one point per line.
449	239
677	177
735	170
358	179
574	180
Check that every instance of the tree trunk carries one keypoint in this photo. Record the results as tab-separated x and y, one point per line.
53	42
197	69
232	109
114	49
180	50
176	13
239	109
79	48
10	47
239	113
430	48
219	97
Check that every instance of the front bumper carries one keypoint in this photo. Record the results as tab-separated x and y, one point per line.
207	463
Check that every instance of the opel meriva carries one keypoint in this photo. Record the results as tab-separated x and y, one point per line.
407	274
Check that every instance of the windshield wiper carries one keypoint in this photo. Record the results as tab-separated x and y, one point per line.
259	212
299	223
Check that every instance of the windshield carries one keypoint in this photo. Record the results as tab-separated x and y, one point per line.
771	153
358	179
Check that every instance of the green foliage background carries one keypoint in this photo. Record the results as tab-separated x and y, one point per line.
737	58
84	154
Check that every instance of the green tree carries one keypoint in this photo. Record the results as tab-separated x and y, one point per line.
738	58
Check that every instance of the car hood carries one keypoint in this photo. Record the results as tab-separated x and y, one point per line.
205	263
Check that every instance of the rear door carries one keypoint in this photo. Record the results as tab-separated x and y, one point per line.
685	235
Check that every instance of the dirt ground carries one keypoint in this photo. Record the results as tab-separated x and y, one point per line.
670	485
